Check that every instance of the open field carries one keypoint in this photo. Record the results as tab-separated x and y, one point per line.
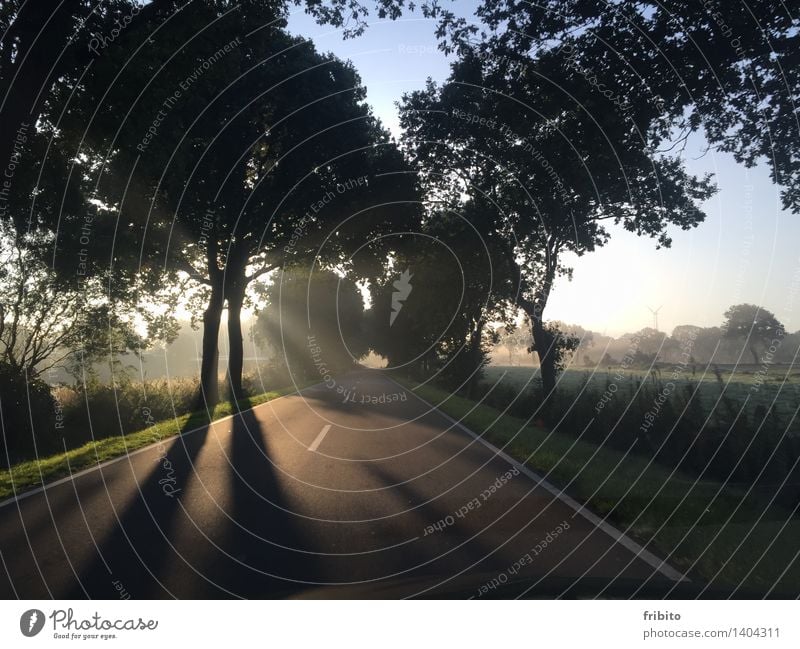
779	388
788	376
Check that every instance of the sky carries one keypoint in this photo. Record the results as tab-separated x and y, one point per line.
747	250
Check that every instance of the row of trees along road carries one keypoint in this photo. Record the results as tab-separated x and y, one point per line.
564	117
550	164
239	163
204	144
180	155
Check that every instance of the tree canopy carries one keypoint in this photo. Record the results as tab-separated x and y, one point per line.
240	152
756	325
726	70
553	162
313	319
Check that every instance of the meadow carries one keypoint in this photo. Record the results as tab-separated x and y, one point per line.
777	390
734	425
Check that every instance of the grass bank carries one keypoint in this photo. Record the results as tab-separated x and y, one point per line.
717	534
33	473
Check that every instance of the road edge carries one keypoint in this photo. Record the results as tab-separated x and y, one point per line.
48	485
619	537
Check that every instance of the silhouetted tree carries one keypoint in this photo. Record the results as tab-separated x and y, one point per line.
669	68
444	325
758	327
554	161
270	158
312	316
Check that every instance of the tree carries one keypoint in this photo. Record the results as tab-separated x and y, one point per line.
574	340
60	307
670	68
685	334
556	347
653	346
312	311
61	70
271	159
755	325
434	309
552	161
516	339
43	43
47	323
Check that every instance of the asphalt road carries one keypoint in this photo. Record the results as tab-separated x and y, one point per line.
310	495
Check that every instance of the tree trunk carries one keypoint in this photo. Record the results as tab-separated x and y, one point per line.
544	344
209	367
476	359
755	354
235	341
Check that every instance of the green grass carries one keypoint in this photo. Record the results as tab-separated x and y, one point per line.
778	388
674	515
26	475
517	375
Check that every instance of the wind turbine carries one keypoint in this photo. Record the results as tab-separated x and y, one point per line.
655	316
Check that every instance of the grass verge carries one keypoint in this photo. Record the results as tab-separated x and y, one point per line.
33	473
715	533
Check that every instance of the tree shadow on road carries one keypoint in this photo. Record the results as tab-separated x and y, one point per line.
457	545
253	552
138	546
263	553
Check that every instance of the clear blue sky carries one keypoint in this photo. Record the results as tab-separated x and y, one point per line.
748	249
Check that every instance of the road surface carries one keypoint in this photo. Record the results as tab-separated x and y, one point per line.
370	493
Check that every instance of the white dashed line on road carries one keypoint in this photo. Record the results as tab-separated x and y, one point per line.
315	444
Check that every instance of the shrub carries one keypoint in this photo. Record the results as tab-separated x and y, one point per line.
95	410
28	416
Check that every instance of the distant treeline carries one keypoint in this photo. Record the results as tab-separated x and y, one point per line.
722	345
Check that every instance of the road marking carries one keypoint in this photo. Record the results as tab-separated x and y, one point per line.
315	444
625	541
